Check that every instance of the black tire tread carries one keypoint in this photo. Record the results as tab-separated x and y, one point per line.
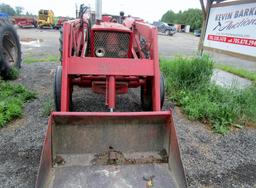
5	68
57	90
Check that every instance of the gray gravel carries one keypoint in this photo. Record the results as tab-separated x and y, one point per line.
45	42
228	80
212	160
21	140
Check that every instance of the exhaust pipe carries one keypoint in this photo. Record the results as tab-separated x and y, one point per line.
98	11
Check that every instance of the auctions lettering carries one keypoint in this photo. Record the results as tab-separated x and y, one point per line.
231	22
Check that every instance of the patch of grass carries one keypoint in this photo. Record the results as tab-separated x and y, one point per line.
14	73
50	58
239	72
188	84
187	72
12	99
47	107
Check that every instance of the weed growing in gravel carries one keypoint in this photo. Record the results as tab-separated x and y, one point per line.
188	84
47	107
50	58
14	74
12	99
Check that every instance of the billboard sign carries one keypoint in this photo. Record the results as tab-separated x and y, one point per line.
232	28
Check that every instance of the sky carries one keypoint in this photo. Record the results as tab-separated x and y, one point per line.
148	10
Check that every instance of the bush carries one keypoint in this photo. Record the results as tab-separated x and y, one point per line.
187	72
189	84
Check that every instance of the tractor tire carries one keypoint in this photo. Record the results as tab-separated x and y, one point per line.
10	50
146	94
162	90
57	90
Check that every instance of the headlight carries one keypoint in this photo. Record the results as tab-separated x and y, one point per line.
100	52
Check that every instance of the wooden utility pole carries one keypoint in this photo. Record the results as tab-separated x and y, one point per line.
206	12
203	8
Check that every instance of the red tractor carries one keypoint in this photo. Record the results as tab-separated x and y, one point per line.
110	149
116	56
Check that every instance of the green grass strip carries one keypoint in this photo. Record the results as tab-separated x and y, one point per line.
239	72
50	58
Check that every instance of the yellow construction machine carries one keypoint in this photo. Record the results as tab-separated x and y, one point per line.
45	18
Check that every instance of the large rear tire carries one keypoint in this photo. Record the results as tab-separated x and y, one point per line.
146	94
57	90
10	51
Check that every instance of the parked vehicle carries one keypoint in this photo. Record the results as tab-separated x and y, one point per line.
25	21
5	18
197	33
45	18
167	29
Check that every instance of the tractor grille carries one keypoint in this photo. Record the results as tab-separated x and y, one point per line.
111	44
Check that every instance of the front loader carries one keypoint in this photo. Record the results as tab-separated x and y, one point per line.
110	149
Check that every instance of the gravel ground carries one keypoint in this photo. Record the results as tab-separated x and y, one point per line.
210	160
21	141
45	42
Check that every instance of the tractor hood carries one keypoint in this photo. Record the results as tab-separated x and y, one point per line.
110	26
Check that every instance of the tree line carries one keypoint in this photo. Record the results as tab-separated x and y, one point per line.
17	11
192	17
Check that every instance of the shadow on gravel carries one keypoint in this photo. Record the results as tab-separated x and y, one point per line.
84	100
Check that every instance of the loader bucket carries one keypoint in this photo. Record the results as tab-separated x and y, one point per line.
108	150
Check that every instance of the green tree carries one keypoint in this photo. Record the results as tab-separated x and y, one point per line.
192	17
179	18
19	10
169	17
7	9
